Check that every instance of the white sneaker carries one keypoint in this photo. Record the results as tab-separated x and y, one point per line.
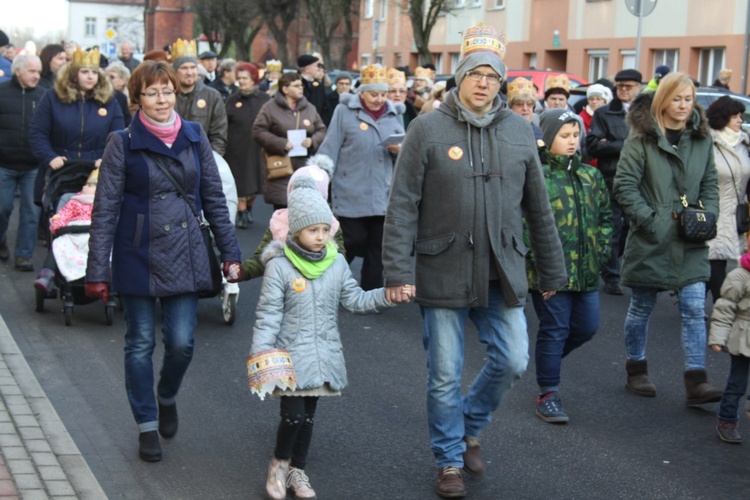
298	482
276	482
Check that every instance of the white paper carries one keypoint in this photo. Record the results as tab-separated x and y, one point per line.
394	139
296	137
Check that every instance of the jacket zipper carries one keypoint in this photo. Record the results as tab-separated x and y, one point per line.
579	217
80	140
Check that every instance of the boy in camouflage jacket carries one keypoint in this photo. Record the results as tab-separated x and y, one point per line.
580	204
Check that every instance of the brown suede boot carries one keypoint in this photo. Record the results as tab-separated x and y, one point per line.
638	381
699	391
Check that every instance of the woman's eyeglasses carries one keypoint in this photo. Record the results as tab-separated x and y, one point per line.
166	94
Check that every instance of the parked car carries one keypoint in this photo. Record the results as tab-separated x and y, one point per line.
539	78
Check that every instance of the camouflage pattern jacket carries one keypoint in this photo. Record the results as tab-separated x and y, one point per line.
580	205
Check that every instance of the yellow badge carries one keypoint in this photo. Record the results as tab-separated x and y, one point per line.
540	143
455	153
363	126
102	112
299	285
2	73
306	122
315	84
238	105
201	103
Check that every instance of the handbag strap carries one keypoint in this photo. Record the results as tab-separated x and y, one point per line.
680	186
734	181
179	189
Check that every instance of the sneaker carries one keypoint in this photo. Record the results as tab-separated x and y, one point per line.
276	481
549	408
728	432
4	252
473	462
298	482
613	288
43	282
450	483
23	264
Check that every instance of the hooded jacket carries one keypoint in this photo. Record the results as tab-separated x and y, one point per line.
17	106
608	123
730	320
583	217
457	201
205	106
645	186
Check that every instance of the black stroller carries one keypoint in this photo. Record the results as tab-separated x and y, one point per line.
60	186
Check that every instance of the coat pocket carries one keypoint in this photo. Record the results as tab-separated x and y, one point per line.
435	245
138	230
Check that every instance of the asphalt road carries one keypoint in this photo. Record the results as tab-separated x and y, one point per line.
372	442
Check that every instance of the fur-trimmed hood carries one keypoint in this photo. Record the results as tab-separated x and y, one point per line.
273	249
68	93
643	125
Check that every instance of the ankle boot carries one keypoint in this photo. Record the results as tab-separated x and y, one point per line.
168	420
241	221
638	381
44	281
698	389
149	447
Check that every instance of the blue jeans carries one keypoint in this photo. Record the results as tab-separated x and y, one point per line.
692	301
178	323
451	417
566	321
28	216
736	388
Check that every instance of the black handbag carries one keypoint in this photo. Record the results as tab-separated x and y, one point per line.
741	213
694	223
213	261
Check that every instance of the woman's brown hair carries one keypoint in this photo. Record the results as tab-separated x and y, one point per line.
148	73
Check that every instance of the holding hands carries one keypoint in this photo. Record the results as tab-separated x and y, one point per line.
232	271
400	294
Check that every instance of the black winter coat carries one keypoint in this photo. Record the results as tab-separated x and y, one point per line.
17	106
607	123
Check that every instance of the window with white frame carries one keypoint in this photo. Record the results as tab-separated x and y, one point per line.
383	9
711	62
365	60
379	59
628	59
532	59
667	57
90	26
437	60
476	3
598	64
112	23
456	4
499	4
369	9
455	58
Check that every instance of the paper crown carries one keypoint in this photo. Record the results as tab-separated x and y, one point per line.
395	76
422	73
270	369
557	82
373	74
273	65
520	86
483	38
183	48
725	73
89	59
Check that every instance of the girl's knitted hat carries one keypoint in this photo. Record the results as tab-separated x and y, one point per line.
320	168
306	207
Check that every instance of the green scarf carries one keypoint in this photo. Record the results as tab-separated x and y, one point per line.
312	269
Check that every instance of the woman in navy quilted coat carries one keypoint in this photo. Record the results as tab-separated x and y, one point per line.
156	244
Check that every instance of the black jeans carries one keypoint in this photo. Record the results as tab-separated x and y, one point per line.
736	388
718	273
295	429
363	237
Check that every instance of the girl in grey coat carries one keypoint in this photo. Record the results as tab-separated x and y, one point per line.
303	285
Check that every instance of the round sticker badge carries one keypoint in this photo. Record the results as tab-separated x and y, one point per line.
363	127
102	112
315	84
201	103
299	285
306	122
238	105
455	153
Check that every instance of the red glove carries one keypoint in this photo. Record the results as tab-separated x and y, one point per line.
232	271
97	290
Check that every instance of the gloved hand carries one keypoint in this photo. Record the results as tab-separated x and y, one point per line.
232	271
97	290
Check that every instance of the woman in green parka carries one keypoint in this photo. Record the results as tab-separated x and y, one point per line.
669	145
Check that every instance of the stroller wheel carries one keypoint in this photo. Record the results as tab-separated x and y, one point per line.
68	310
229	307
39	295
109	314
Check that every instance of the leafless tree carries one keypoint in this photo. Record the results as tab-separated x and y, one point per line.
325	18
424	14
279	15
235	23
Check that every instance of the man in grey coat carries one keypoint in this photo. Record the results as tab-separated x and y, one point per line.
467	176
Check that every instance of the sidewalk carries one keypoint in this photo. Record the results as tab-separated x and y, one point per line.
38	458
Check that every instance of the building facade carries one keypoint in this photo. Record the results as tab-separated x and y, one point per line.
106	23
590	38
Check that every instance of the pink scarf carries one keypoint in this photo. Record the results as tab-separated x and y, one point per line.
166	132
745	261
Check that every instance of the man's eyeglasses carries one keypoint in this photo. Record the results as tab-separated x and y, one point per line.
476	76
166	94
321	66
626	86
296	86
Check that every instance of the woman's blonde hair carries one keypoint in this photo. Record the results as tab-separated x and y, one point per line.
67	90
668	88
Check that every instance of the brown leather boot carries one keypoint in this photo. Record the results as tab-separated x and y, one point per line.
450	483
699	391
473	461
638	381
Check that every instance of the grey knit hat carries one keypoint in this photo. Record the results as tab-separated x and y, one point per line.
476	59
552	120
306	206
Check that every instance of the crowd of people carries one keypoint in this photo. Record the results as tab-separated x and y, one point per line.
452	210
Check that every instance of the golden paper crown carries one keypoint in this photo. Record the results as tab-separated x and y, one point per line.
557	82
520	86
422	73
483	38
183	48
89	59
395	76
725	73
274	65
373	74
